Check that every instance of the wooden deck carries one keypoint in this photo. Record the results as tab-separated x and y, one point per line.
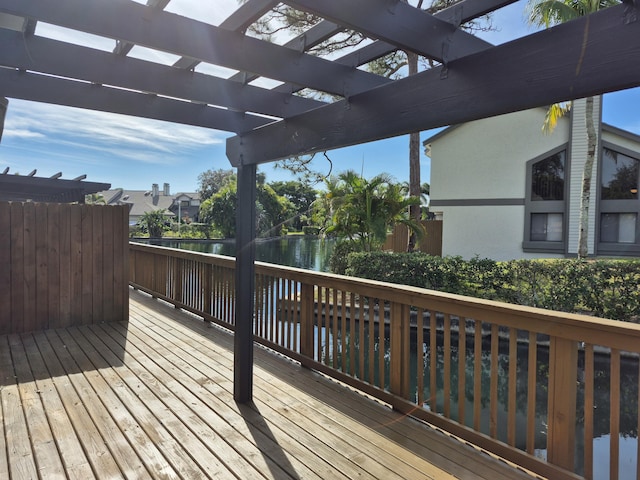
152	398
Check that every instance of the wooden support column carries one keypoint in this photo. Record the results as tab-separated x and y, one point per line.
307	303
245	284
399	379
561	416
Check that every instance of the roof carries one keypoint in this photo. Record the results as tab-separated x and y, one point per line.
143	201
469	79
22	188
605	127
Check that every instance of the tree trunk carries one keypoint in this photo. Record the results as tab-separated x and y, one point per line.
414	161
587	173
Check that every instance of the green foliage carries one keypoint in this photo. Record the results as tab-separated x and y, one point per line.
340	255
211	182
604	288
311	230
154	223
301	195
272	210
363	211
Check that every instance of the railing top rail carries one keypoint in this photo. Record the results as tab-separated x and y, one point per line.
599	331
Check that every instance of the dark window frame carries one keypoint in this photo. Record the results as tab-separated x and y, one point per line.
616	206
546	206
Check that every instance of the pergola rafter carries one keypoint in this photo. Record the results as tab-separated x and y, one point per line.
472	79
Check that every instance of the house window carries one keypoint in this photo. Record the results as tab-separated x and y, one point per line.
544	229
184	203
619	204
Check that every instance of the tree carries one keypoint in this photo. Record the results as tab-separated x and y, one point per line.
301	195
211	182
154	223
272	210
365	210
393	65
552	12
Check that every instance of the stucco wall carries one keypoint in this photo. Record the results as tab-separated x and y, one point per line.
488	232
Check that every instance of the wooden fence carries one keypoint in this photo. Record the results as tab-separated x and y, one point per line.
527	384
62	265
431	243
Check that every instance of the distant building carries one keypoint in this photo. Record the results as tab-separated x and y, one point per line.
506	190
184	205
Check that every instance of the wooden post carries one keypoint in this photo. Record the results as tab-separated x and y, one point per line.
245	284
306	320
561	413
399	381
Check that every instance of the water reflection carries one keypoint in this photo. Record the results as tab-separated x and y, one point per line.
309	252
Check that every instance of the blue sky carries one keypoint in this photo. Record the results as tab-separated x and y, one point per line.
134	153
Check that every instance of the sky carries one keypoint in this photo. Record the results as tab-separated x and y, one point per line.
133	153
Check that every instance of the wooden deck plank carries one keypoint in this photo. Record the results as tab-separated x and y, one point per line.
153	398
200	416
20	455
73	383
281	447
162	421
432	445
43	444
281	398
70	448
140	442
6	377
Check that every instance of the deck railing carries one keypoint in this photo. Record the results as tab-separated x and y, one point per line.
517	381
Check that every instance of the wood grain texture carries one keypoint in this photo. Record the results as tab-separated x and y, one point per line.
153	398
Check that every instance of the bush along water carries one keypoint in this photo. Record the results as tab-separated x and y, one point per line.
602	288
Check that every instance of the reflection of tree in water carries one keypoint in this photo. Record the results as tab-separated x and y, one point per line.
628	381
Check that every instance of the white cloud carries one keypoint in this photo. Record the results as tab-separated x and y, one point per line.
119	135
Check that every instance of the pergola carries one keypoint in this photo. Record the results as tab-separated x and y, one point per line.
472	79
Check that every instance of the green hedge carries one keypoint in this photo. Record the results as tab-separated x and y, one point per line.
604	288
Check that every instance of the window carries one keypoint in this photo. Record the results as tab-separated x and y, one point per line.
184	203
546	227
619	205
545	203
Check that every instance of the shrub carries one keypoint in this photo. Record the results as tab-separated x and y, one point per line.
310	230
605	288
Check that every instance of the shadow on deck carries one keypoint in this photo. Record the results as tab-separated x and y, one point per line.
153	398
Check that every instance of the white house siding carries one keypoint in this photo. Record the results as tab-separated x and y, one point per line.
577	161
487	232
480	177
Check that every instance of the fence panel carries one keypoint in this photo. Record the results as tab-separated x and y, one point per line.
55	270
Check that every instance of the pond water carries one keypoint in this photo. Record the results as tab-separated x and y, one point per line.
302	251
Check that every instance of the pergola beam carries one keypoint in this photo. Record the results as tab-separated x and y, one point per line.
572	60
138	24
60	91
398	23
43	55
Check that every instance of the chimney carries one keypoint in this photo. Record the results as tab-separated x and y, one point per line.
165	189
154	190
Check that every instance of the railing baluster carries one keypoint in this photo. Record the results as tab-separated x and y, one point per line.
334	329
420	356
447	365
327	327
433	363
382	344
477	375
372	346
462	370
343	333
513	367
614	410
493	394
361	335
353	318
532	377
588	410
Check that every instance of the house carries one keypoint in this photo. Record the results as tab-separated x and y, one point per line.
504	189
180	205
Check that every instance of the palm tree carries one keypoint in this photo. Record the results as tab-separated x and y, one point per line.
552	12
364	210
